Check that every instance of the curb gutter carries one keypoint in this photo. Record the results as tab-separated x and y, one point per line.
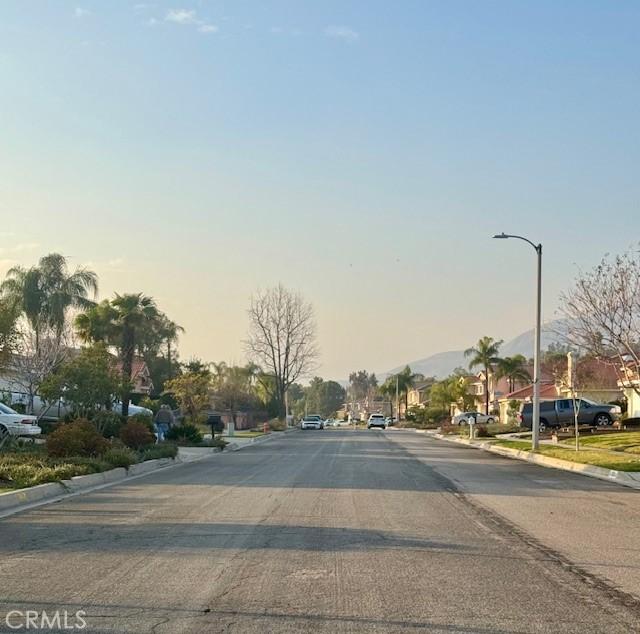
624	478
232	446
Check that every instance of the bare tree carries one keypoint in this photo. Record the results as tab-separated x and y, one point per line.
602	313
38	354
282	338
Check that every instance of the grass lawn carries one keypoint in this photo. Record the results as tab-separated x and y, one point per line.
605	460
629	442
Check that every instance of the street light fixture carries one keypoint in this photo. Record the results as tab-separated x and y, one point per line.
535	422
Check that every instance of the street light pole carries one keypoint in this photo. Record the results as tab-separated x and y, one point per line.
535	422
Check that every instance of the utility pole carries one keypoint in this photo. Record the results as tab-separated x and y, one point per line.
397	399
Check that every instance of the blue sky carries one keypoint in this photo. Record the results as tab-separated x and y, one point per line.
361	152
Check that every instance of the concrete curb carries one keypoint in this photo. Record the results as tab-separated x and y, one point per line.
624	478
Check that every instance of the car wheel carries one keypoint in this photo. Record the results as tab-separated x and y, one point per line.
602	420
543	425
490	421
4	434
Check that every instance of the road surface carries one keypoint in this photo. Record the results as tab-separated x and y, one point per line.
334	531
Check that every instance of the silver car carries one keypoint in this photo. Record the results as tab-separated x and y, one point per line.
17	425
477	417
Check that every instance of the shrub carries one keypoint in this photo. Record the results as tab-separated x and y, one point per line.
136	434
108	423
163	450
120	457
79	438
150	403
18	470
275	424
145	419
185	434
221	443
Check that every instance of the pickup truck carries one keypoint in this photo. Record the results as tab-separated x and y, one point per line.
560	413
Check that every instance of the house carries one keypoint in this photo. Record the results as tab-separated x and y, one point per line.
140	376
499	388
418	395
629	382
512	401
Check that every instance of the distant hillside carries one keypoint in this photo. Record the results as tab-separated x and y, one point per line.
443	363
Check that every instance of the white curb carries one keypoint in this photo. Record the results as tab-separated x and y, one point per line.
625	478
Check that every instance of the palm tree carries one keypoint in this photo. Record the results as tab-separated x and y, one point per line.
513	369
484	354
120	323
44	293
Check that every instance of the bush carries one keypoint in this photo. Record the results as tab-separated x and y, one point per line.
144	419
79	438
185	434
20	470
150	403
275	424
163	450
108	423
136	434
221	443
120	457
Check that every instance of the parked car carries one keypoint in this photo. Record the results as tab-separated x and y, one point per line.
389	420
59	409
560	413
377	420
479	418
312	421
19	425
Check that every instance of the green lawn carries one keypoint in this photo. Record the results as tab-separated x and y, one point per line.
599	459
629	442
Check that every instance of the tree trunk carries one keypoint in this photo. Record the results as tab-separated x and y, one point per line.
128	348
486	391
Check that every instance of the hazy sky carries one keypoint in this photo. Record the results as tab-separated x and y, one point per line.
361	152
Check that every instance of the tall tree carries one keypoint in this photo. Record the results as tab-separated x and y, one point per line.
485	355
282	338
513	369
120	323
324	397
45	293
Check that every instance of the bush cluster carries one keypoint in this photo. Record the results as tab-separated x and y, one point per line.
136	434
185	434
79	438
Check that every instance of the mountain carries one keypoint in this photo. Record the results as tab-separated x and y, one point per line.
443	363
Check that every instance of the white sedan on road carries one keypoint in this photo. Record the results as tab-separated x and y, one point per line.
18	425
464	417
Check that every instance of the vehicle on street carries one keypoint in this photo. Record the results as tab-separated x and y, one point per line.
377	420
477	417
560	413
389	420
312	421
18	425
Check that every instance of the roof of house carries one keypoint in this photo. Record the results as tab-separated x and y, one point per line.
547	390
139	366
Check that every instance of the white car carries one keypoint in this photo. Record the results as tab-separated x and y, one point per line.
464	417
18	425
312	421
377	420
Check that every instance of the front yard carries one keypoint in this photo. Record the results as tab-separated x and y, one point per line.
604	459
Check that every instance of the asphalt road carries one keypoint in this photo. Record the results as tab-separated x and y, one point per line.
335	531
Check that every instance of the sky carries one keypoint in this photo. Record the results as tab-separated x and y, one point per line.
360	152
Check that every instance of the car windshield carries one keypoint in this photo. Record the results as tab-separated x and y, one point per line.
6	410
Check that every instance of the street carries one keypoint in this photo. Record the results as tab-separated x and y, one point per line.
335	531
